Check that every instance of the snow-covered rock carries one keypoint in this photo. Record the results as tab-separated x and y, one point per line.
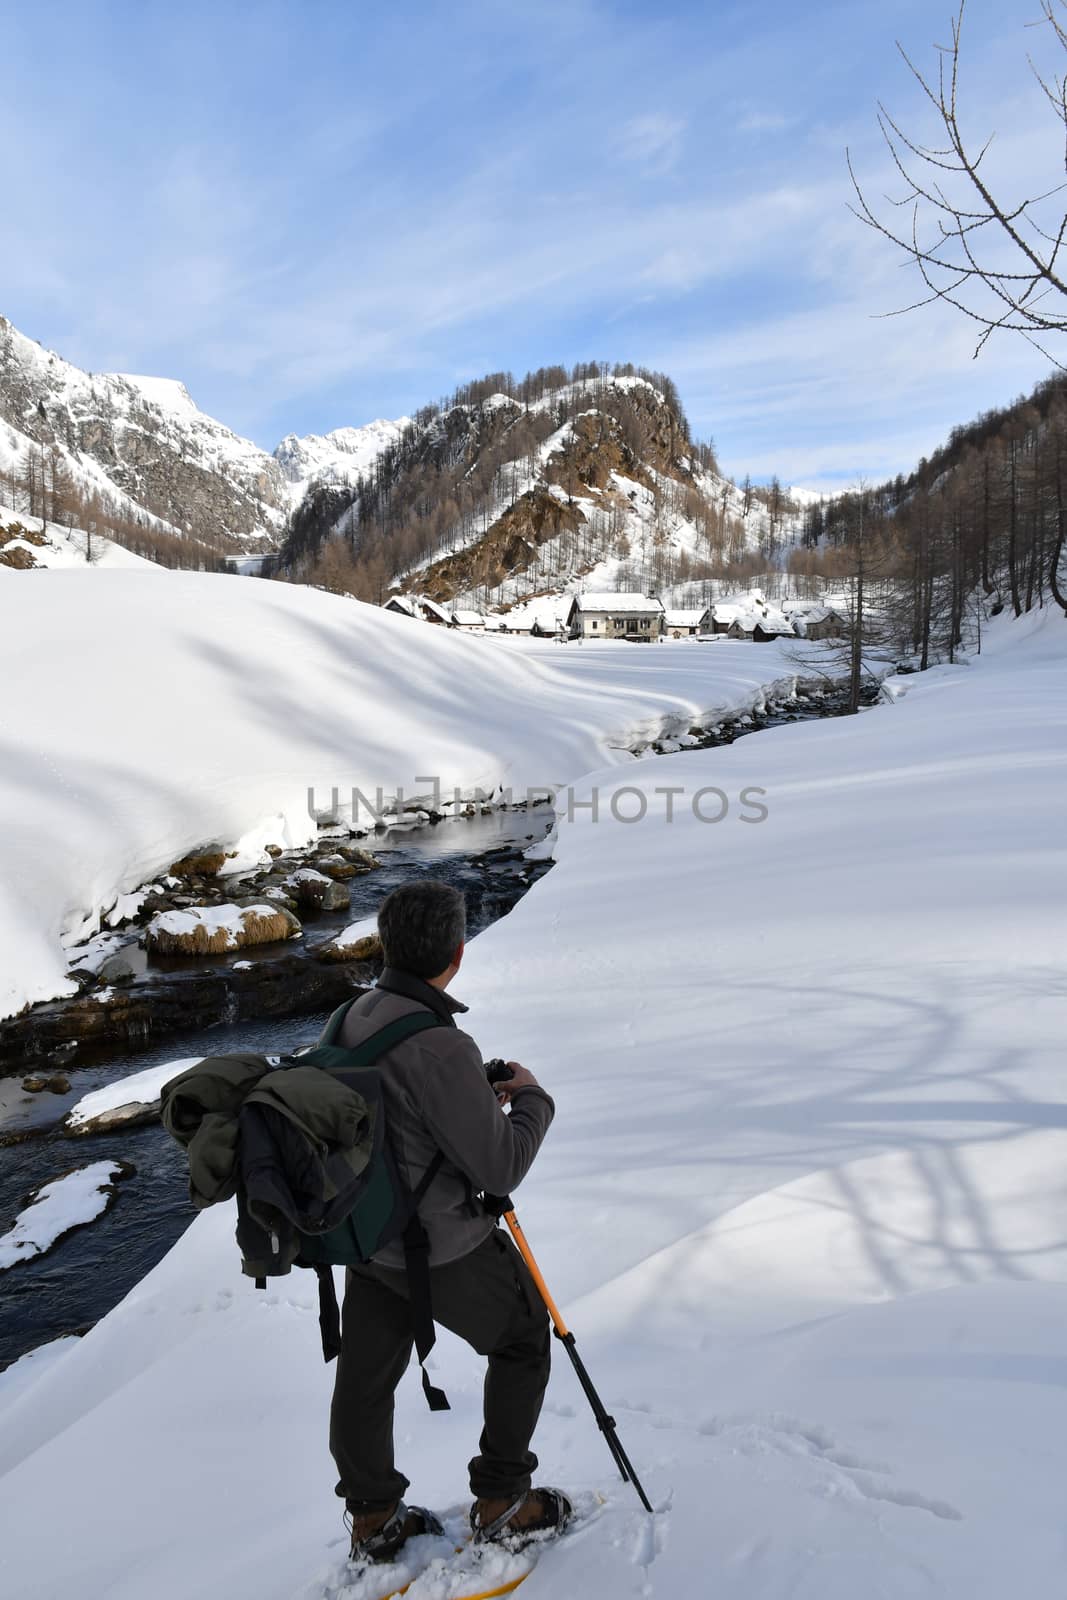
801	1203
58	1208
246	704
140	440
124	1102
209	930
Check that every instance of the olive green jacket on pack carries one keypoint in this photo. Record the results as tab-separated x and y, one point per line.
200	1109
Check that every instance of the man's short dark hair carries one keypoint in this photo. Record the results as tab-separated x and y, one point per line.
421	926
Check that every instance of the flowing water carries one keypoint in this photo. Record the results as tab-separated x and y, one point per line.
87	1273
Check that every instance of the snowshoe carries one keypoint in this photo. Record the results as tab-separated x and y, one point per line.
514	1523
378	1536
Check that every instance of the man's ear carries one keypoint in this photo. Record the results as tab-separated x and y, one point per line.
457	955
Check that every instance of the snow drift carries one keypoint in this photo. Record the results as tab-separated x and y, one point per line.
164	711
802	1202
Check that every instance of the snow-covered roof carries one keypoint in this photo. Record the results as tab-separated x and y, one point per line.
627	604
686	619
548	611
809	610
468	619
413	605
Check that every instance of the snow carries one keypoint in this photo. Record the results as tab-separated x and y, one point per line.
66	547
16	1378
66	1203
224	710
137	1088
341	456
215	919
169	394
624	603
176	423
549	612
802	1201
360	929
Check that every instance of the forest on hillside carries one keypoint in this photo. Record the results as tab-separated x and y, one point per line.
461	463
978	526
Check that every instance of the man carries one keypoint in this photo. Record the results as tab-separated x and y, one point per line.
438	1100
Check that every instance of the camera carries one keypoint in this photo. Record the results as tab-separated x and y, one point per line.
497	1071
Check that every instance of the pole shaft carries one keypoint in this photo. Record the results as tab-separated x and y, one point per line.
604	1422
519	1237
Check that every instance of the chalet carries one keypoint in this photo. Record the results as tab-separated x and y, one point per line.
420	606
760	626
722	616
635	617
687	624
468	621
812	619
541	618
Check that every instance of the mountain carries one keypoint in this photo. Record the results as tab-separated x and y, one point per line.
512	489
138	449
506	490
342	456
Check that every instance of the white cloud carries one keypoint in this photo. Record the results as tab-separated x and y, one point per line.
652	142
761	119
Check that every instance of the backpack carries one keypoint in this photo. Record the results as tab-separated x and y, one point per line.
303	1200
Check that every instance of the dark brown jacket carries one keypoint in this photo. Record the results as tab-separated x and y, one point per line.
438	1098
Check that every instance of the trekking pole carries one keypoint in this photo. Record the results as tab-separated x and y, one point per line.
605	1423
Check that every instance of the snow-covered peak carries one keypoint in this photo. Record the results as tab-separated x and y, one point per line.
340	456
142	441
169	394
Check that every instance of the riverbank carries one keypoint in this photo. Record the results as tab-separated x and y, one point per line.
157	718
801	1201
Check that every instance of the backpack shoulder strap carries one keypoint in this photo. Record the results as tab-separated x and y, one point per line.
415	1239
367	1053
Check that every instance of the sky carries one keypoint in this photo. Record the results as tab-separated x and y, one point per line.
319	213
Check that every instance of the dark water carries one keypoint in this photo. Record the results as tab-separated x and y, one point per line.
86	1274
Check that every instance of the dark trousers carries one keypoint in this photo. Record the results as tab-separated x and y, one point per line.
489	1299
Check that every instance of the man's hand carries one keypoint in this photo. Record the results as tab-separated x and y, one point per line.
520	1078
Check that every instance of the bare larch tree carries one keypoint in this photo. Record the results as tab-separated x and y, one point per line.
999	259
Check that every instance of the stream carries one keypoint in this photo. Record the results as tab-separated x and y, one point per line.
87	1273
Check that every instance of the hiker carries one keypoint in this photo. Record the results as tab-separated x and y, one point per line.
440	1108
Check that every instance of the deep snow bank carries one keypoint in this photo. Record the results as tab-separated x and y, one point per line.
802	1203
148	713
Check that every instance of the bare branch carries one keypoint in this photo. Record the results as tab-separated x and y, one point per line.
988	258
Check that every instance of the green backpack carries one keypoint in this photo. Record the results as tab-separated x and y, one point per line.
384	1208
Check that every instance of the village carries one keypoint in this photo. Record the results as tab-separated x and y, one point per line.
634	618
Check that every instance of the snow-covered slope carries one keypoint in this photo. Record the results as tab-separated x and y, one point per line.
140	439
493	499
341	456
216	703
50	545
802	1203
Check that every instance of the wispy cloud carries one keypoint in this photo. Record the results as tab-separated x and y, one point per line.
763	119
499	190
652	142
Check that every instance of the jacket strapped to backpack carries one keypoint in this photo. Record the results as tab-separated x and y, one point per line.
317	1180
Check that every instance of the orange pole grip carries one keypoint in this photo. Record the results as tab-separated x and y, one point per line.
519	1237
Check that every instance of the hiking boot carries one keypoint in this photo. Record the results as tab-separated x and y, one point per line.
379	1535
514	1522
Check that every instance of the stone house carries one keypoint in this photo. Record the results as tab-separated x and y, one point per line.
634	617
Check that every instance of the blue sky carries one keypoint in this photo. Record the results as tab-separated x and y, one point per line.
318	213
